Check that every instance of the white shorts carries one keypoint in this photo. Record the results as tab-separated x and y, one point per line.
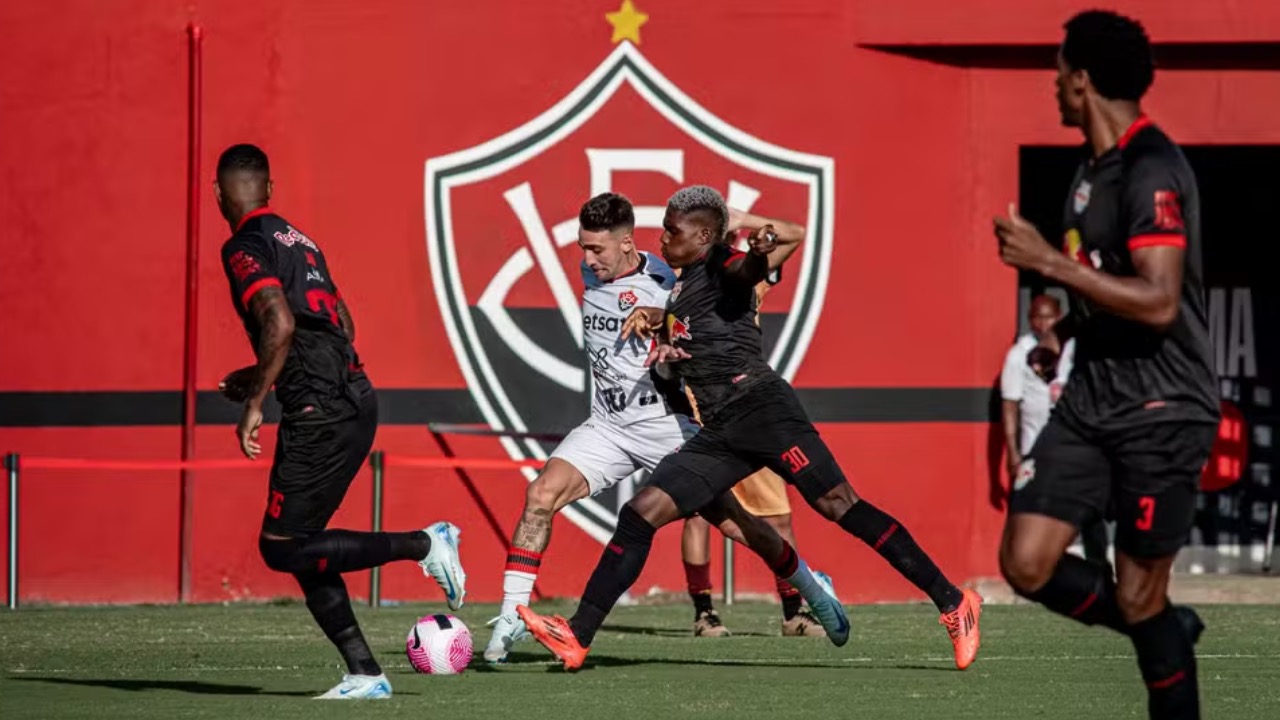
605	453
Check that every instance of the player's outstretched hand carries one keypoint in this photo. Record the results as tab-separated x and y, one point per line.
664	353
247	431
763	240
643	322
1021	244
238	384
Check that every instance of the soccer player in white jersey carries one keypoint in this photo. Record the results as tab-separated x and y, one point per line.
632	425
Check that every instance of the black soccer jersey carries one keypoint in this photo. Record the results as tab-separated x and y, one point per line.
265	251
712	316
1141	193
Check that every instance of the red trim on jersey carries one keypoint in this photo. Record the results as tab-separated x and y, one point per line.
1142	122
255	287
1156	239
264	210
734	255
639	266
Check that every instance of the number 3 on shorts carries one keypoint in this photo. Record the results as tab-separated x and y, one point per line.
1147	505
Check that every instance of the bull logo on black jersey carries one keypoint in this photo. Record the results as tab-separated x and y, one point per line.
501	230
678	329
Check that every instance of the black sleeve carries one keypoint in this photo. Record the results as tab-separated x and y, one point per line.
1152	202
672	391
249	265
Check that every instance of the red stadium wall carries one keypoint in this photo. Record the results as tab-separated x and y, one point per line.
921	104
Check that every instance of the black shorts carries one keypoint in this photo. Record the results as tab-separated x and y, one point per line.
765	427
1145	478
319	451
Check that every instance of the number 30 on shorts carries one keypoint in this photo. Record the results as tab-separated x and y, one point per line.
795	458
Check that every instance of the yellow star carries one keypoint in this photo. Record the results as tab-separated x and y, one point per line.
626	22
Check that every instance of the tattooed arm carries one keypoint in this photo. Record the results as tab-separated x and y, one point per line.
344	318
272	312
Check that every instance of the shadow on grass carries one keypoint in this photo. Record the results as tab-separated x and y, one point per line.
608	661
187	686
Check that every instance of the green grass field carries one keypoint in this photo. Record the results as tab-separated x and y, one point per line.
266	661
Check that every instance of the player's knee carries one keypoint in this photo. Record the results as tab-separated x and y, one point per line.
1025	567
731	530
655	506
541	494
834	503
549	493
281	555
1139	599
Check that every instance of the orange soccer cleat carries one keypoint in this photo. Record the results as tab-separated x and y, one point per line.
962	626
555	635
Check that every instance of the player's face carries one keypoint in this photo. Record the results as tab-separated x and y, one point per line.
1070	84
1042	317
684	239
605	252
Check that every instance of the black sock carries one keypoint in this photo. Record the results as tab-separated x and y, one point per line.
1082	590
791	605
701	603
330	605
1168	663
889	538
342	551
619	567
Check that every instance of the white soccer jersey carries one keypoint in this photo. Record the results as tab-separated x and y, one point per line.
622	392
1036	398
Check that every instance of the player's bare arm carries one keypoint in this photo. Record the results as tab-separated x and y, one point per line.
236	386
1150	298
766	252
789	235
1010	422
643	322
272	313
344	317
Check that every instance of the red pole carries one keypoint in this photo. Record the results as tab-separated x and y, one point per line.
190	319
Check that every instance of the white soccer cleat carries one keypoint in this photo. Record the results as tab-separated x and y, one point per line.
359	687
824	580
443	563
507	631
822	602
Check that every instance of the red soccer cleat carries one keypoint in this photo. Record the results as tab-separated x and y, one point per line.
555	635
962	626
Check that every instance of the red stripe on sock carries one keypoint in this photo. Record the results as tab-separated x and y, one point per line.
787	563
784	588
698	577
525	561
614	548
322	564
1084	605
1173	679
887	534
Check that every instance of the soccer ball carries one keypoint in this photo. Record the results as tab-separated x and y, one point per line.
439	645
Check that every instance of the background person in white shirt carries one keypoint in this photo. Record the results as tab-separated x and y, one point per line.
1035	370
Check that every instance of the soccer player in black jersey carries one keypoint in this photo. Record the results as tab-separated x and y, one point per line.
751	419
302	333
1136	423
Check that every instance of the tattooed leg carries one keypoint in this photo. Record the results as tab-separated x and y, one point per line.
558	485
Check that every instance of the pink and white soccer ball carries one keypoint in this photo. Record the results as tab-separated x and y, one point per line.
439	645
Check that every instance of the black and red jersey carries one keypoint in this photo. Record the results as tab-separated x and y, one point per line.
712	316
1140	193
266	250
